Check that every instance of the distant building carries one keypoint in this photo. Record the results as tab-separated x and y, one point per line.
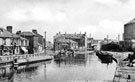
9	42
129	30
23	43
33	41
65	44
49	45
90	42
79	39
40	40
128	36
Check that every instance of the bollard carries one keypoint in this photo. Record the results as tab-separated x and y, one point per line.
129	78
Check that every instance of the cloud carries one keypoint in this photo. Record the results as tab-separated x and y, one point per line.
67	15
107	2
131	4
37	13
18	15
42	14
104	28
111	26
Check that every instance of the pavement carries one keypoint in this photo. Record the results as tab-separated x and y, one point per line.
123	72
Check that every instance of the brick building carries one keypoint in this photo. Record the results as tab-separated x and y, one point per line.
129	30
77	39
40	40
10	43
128	35
33	41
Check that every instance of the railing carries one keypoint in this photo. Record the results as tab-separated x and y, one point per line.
10	58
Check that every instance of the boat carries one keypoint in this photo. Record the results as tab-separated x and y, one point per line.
105	57
63	55
60	56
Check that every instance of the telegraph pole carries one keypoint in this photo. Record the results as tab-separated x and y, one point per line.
45	43
118	37
107	38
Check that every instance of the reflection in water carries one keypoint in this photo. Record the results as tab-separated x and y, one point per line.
69	70
6	74
79	59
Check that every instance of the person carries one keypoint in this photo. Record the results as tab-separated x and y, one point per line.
131	57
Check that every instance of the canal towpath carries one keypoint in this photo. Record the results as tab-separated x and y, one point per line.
123	72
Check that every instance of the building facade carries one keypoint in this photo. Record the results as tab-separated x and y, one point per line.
9	42
129	30
49	45
40	40
33	41
79	40
129	36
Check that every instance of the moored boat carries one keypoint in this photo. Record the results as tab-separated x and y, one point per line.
62	55
105	57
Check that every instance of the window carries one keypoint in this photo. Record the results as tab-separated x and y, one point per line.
1	41
21	42
26	43
8	42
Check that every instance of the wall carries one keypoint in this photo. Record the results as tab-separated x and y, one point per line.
129	31
1	41
81	39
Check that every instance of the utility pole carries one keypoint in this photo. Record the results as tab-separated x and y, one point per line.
45	43
118	37
107	38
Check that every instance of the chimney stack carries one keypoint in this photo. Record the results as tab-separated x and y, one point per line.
9	29
90	35
59	32
34	31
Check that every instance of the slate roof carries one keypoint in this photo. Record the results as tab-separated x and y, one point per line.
66	41
132	21
38	34
6	34
22	38
28	34
68	36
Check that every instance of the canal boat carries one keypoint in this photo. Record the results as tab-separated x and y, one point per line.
105	57
62	55
69	55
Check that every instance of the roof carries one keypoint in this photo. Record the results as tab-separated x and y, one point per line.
22	38
75	36
5	33
132	21
66	41
28	34
38	34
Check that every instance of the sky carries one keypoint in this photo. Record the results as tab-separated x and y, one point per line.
96	17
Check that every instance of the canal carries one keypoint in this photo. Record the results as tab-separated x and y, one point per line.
88	69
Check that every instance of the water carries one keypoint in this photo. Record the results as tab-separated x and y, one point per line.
89	69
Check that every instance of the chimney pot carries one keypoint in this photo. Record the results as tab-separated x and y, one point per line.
34	31
9	29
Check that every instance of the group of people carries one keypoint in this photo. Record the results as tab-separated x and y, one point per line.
130	58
